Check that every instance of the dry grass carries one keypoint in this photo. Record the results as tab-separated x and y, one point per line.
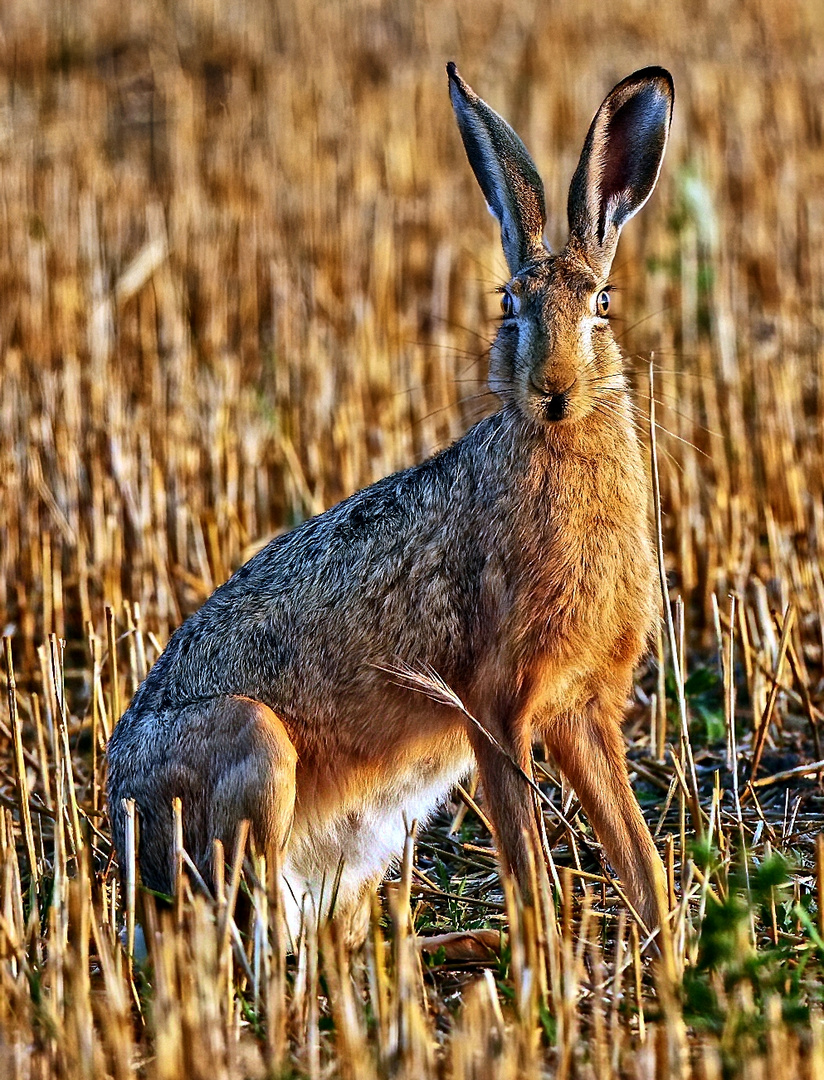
244	270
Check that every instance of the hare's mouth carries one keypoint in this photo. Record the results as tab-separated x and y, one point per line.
553	405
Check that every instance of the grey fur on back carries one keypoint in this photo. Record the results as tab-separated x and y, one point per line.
396	571
410	570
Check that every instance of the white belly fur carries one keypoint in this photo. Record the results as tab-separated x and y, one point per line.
365	834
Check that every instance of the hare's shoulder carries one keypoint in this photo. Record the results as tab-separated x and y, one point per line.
398	509
405	543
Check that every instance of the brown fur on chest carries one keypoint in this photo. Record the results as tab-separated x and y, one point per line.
586	605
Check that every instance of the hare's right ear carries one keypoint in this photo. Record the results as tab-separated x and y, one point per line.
620	162
507	175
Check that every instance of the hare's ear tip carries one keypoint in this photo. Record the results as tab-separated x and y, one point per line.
456	83
654	71
655	74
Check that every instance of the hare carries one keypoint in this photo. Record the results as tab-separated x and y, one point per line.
516	565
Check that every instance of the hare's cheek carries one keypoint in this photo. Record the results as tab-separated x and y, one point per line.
588	349
502	360
603	350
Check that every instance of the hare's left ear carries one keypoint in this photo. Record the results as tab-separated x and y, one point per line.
620	162
507	174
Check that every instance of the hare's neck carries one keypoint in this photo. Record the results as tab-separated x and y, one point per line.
580	537
562	462
606	434
556	488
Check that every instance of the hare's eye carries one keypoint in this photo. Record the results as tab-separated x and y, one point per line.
507	305
602	304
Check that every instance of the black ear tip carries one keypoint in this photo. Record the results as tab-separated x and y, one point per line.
655	76
456	81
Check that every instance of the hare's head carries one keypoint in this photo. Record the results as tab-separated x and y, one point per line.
555	354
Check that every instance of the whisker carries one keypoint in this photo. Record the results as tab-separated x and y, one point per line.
608	409
638	358
640	322
496	274
453	405
684	416
483	356
641	416
441	346
420	388
620	267
466	329
686	442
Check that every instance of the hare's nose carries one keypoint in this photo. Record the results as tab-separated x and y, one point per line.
555	406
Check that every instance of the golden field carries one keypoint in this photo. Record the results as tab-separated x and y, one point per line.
245	269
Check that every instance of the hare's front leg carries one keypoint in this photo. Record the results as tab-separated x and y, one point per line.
510	801
589	749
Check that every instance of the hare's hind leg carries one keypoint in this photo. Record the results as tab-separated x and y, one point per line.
253	778
589	748
231	759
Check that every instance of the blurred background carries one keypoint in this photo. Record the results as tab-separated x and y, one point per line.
245	269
